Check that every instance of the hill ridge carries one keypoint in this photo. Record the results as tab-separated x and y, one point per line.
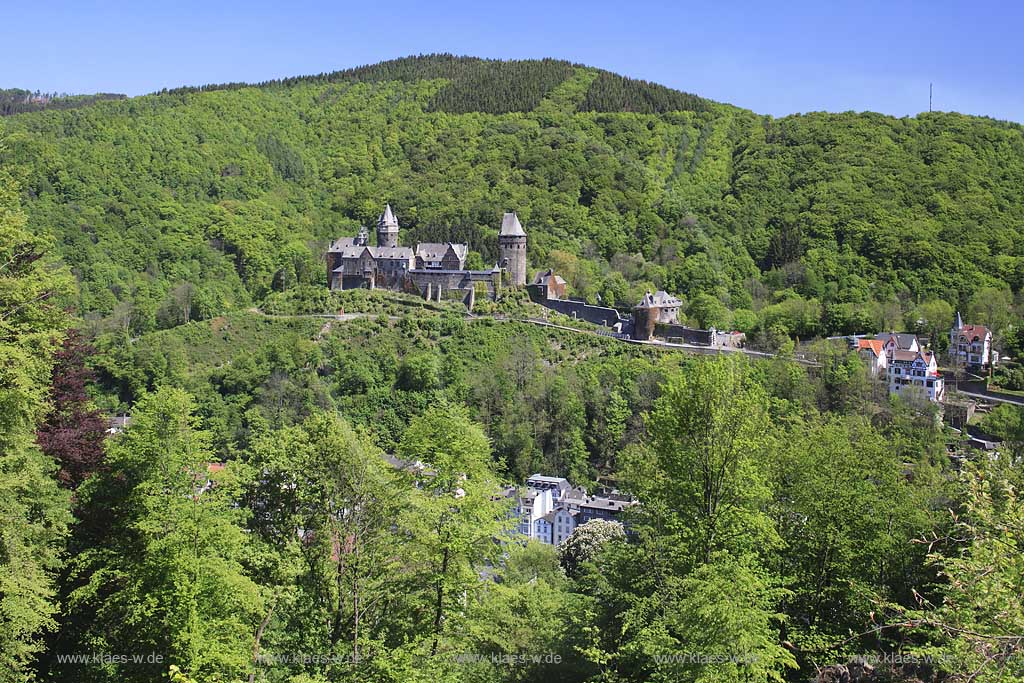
814	223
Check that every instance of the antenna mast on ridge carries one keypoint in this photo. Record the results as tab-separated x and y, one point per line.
929	98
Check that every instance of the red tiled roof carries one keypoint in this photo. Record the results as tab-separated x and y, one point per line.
876	345
974	331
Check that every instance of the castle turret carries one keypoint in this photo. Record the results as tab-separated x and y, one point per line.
512	247
362	238
387	229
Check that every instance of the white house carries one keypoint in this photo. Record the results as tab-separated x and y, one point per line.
550	509
873	352
971	346
908	369
915	374
533	506
543	527
563	523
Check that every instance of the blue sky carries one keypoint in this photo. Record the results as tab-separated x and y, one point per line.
773	57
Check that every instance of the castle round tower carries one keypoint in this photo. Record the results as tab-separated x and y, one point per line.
512	247
387	229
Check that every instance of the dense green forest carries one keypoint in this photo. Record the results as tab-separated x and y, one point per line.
806	225
159	256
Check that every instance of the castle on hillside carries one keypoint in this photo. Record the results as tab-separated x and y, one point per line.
432	270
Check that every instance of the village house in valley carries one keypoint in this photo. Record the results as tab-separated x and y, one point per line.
874	354
550	508
899	358
434	270
970	346
909	370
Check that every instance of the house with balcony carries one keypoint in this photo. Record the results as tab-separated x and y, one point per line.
970	346
915	375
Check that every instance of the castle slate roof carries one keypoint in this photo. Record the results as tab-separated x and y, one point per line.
341	243
348	248
510	226
542	276
393	253
435	251
659	299
388	217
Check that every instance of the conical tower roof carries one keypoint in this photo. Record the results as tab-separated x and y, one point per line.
388	218
510	226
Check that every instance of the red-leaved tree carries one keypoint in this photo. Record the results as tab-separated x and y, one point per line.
73	431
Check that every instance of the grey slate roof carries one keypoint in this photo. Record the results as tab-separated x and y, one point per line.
388	218
391	253
342	243
602	503
435	251
348	248
541	278
563	506
659	299
510	226
904	340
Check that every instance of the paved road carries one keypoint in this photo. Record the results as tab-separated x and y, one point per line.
996	398
976	389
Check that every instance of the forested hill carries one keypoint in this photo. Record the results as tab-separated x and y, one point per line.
802	225
497	87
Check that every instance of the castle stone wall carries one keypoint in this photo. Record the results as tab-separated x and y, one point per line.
688	335
597	315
